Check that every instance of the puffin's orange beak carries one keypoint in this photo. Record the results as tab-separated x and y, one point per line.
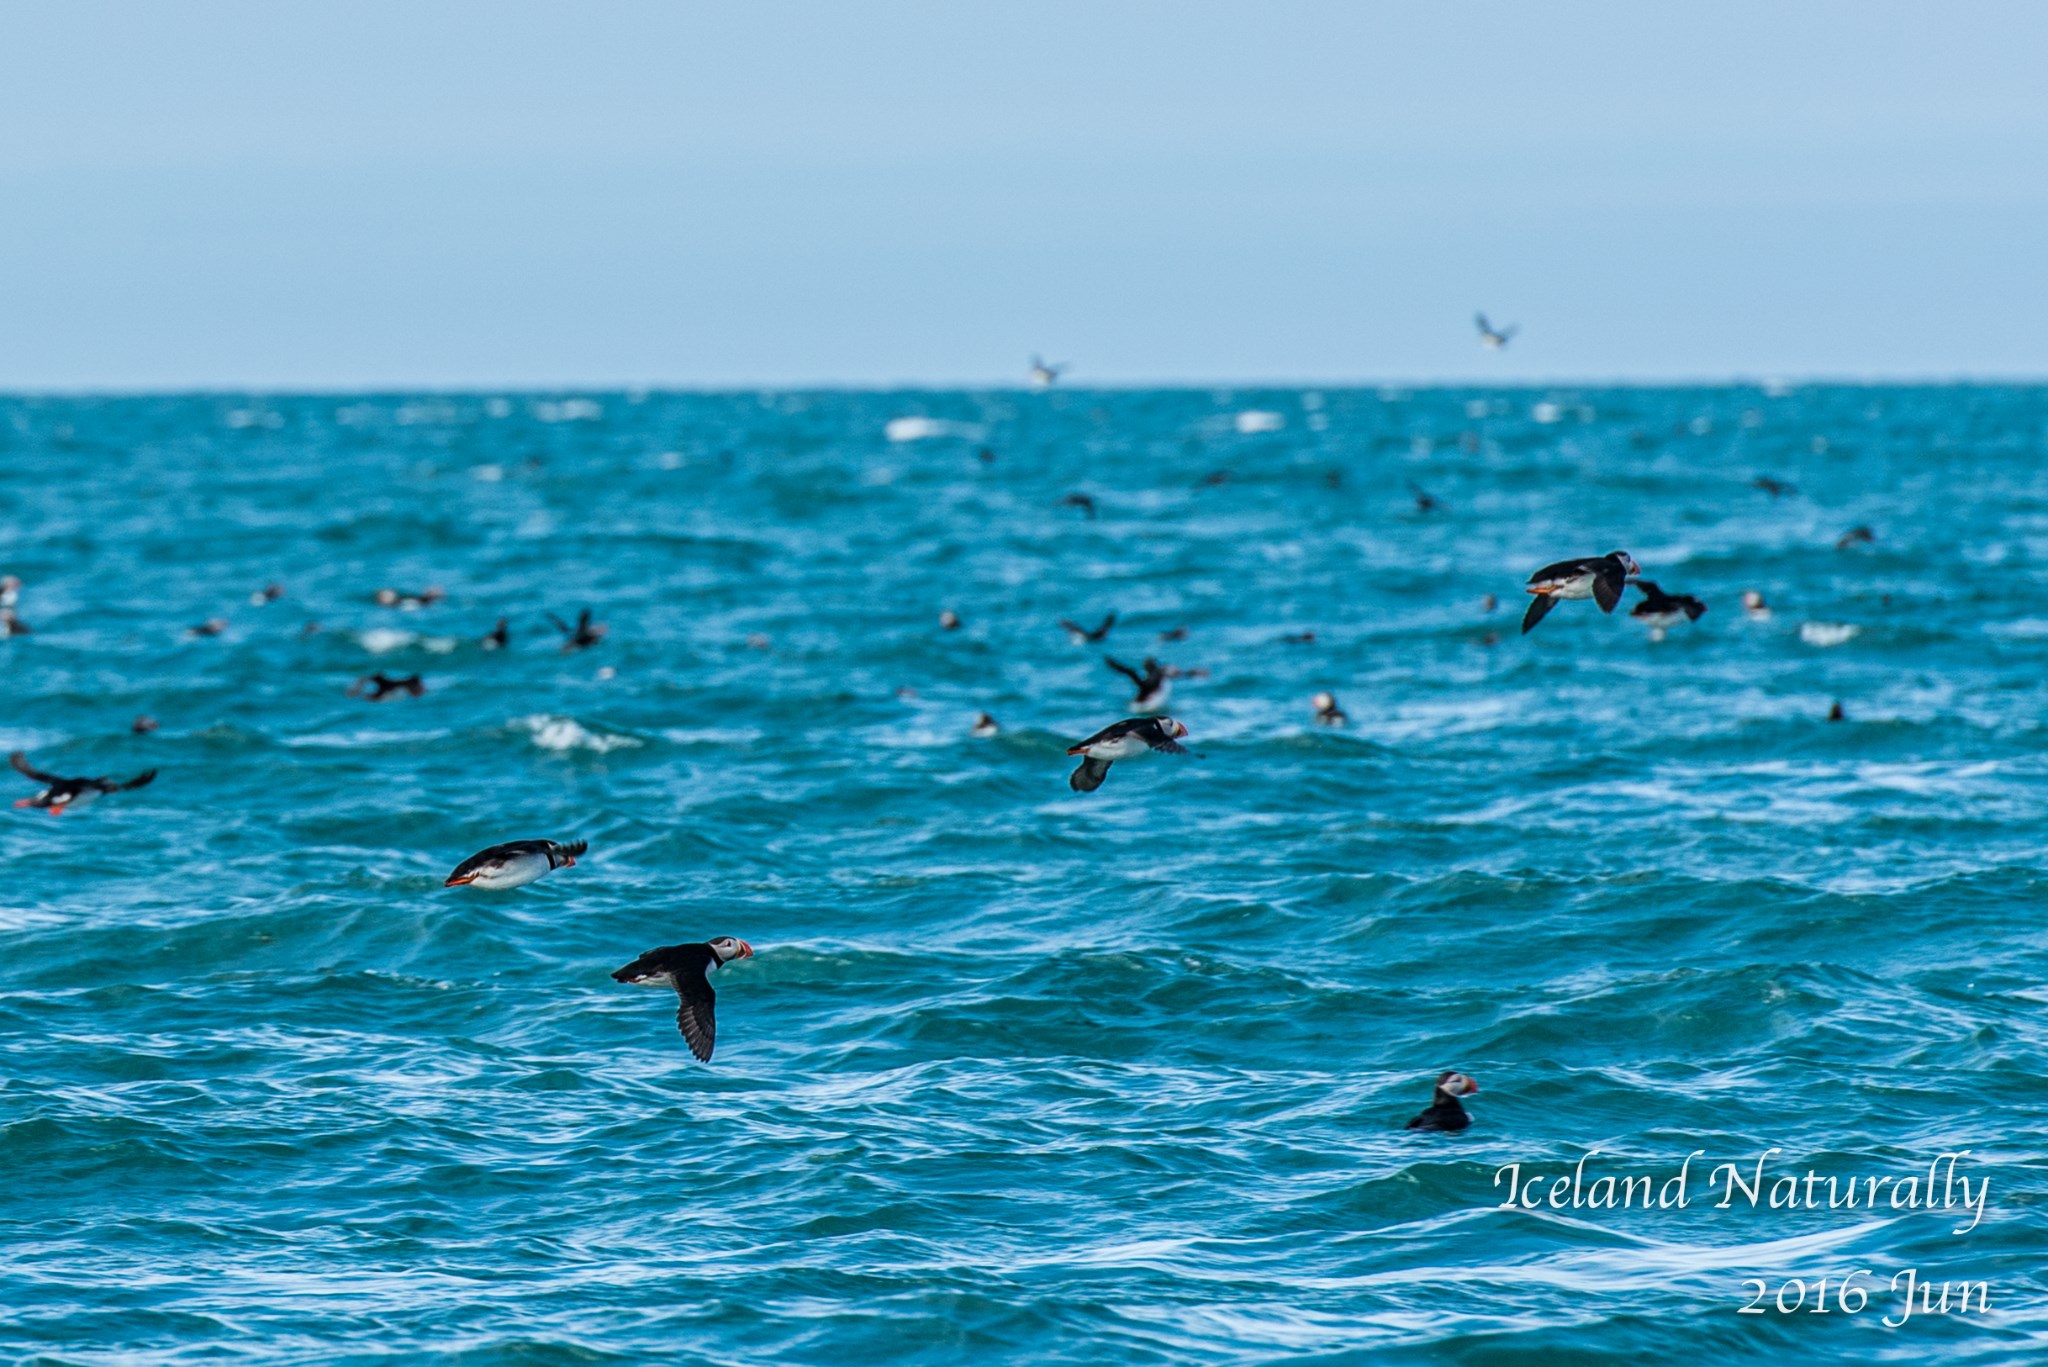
568	862
746	950
456	882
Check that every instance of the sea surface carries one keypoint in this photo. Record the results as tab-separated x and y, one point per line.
1017	1074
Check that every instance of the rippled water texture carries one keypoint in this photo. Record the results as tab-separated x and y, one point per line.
1017	1074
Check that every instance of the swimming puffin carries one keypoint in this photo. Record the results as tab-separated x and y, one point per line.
1444	1112
61	794
1155	685
1835	712
1776	488
1327	711
985	726
269	593
1081	501
410	602
143	724
379	686
10	590
1126	739
1491	337
1754	607
10	625
212	626
585	633
688	969
499	638
949	620
1662	610
1081	636
514	864
1601	578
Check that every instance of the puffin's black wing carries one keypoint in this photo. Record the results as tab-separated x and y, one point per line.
694	1015
1562	570
1693	607
22	767
1120	667
1541	604
1608	582
574	849
1089	776
1103	630
141	780
560	625
1169	747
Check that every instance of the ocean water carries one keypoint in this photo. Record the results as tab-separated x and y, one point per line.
1019	1074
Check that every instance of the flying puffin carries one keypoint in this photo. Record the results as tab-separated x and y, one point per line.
1444	1112
1491	337
688	969
499	637
1045	376
1662	610
1082	636
583	634
515	863
379	686
1601	578
1126	739
1855	536
1154	686
59	795
1327	711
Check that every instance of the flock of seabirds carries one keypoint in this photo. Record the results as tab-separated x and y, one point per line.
687	969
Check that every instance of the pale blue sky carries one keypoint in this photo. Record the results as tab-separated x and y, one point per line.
413	194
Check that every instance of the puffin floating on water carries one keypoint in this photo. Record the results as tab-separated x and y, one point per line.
1327	711
1663	610
1126	739
515	863
985	726
688	969
1601	578
500	636
1444	1112
59	795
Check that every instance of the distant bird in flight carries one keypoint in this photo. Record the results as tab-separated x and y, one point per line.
1601	578
584	634
1492	338
1045	376
1662	610
1855	536
1081	636
59	795
515	863
1776	488
379	686
688	969
1154	686
1123	740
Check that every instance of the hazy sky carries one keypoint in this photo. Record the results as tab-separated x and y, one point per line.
405	193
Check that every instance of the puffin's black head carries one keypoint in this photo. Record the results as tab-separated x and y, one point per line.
1456	1084
1628	562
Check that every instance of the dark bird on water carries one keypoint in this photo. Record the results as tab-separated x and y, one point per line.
1081	636
688	969
1776	488
143	725
1491	337
584	634
984	727
1081	501
1855	536
212	626
379	686
1425	501
1327	711
1214	479
60	795
514	864
269	593
11	625
500	636
1444	1112
1662	610
1126	739
1601	578
1835	713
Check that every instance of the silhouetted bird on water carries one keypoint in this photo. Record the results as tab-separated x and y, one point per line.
379	686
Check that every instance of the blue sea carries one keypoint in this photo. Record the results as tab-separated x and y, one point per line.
1019	1074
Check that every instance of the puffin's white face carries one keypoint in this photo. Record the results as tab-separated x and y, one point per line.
727	949
1172	728
1628	562
1457	1084
1323	702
